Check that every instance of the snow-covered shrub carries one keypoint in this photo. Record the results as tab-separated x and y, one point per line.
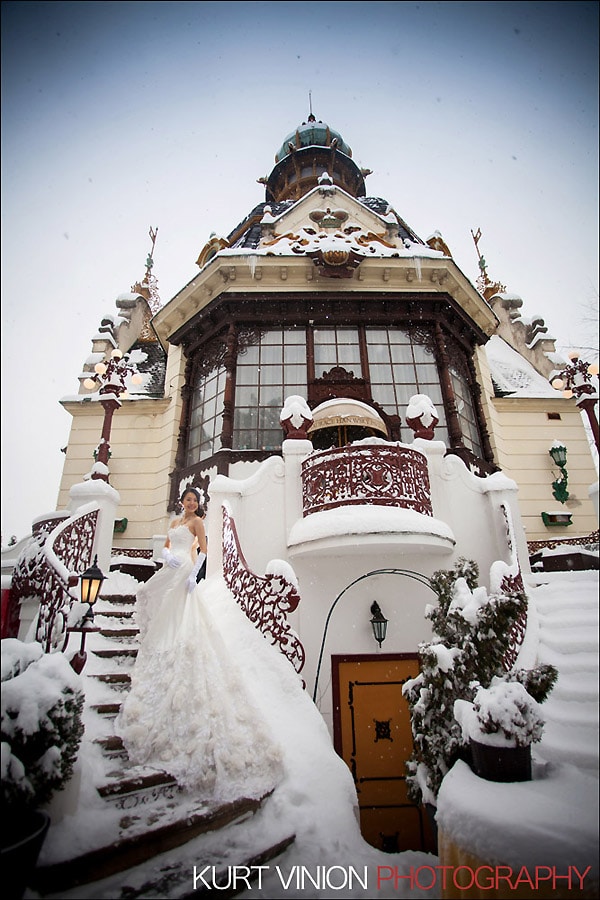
472	632
503	715
507	713
41	727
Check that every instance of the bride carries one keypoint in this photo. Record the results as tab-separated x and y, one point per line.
187	712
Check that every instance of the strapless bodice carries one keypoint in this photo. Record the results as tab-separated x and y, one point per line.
181	538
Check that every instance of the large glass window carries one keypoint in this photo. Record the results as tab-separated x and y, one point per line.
206	415
337	347
399	368
268	370
466	411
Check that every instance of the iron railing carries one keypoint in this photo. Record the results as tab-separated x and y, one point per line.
384	475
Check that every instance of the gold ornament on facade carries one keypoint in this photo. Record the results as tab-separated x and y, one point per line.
210	249
335	257
371	238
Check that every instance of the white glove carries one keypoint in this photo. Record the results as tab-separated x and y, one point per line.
191	582
170	558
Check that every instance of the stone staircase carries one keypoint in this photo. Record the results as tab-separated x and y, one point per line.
154	832
568	639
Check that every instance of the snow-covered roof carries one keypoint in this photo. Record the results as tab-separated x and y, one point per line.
512	374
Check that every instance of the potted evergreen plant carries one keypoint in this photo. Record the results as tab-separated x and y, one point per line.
471	636
503	721
41	730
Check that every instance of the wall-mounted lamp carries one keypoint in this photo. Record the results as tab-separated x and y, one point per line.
558	452
379	623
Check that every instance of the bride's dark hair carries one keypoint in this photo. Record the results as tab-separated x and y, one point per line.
196	493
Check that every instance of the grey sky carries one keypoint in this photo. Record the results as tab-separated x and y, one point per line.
119	116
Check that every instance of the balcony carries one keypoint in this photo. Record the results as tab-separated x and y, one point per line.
371	474
376	490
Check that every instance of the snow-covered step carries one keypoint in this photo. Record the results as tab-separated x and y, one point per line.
569	664
561	744
566	605
134	788
582	714
582	615
569	640
142	836
574	693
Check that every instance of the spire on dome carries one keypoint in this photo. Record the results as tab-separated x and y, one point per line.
148	288
306	152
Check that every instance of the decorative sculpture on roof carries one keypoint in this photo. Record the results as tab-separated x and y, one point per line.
486	287
148	288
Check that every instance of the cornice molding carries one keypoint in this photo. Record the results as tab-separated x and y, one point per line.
249	273
89	407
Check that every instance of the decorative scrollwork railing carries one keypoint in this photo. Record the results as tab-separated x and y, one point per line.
265	600
133	552
512	583
588	540
47	569
384	475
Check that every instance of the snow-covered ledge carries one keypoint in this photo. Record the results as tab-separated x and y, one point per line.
337	530
108	499
540	834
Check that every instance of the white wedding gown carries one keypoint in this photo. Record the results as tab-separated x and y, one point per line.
187	712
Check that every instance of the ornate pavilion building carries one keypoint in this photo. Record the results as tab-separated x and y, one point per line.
350	404
327	293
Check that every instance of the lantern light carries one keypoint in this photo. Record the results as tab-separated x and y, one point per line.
91	582
379	623
558	452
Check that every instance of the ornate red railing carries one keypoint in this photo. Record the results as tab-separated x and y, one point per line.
265	600
512	583
48	569
384	475
550	543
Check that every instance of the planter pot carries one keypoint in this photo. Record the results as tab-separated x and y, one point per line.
430	811
19	857
501	763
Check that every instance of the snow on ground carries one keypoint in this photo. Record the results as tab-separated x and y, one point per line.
553	819
556	813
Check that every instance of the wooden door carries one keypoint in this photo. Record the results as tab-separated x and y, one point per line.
372	734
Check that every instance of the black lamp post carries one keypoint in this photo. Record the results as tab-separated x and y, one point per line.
91	582
111	376
379	623
575	380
